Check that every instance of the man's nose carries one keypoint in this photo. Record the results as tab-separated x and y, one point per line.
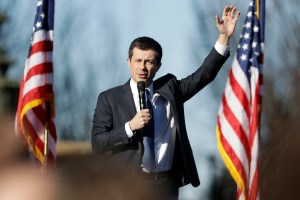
143	65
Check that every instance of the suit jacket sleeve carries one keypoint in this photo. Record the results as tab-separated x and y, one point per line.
205	74
105	135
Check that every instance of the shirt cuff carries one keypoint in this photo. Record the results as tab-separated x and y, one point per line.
128	130
221	49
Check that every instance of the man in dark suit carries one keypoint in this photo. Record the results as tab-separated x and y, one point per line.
164	158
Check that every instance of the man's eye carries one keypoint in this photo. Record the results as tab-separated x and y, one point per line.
151	62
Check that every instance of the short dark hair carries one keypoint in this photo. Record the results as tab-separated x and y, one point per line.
146	43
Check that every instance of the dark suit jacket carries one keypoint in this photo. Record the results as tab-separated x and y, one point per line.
116	106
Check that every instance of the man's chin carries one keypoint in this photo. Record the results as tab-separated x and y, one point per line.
147	81
142	79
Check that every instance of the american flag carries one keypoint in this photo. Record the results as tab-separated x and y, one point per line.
239	113
36	87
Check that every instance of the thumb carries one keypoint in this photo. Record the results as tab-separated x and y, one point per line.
218	21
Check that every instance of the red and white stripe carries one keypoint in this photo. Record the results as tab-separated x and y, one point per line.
238	127
35	88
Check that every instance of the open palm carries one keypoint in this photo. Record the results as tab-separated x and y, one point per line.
227	24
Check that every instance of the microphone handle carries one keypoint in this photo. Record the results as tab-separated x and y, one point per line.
142	100
142	103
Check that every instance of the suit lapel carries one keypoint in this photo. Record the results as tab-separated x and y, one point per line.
129	97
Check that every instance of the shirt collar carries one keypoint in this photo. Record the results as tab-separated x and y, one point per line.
133	86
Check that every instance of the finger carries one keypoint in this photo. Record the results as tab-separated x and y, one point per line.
228	10
145	117
217	20
237	16
145	121
146	110
233	10
225	10
145	114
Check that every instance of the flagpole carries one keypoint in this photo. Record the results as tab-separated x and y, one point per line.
48	100
258	9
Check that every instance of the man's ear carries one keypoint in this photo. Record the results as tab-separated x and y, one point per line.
158	66
128	62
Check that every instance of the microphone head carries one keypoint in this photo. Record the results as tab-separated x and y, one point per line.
141	86
141	91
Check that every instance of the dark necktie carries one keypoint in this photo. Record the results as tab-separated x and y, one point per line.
148	160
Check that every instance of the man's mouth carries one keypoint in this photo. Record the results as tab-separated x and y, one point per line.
143	76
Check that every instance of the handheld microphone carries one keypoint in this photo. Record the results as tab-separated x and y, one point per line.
142	102
141	91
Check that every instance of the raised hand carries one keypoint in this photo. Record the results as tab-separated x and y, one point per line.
227	23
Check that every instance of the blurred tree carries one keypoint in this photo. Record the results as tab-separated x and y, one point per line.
280	149
5	61
80	79
280	146
223	186
8	88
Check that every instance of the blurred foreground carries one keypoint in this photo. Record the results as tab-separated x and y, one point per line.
80	174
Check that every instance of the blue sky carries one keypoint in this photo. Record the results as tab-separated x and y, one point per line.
91	42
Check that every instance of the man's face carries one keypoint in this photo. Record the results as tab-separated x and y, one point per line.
143	66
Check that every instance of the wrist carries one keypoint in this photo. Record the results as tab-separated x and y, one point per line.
223	39
131	127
